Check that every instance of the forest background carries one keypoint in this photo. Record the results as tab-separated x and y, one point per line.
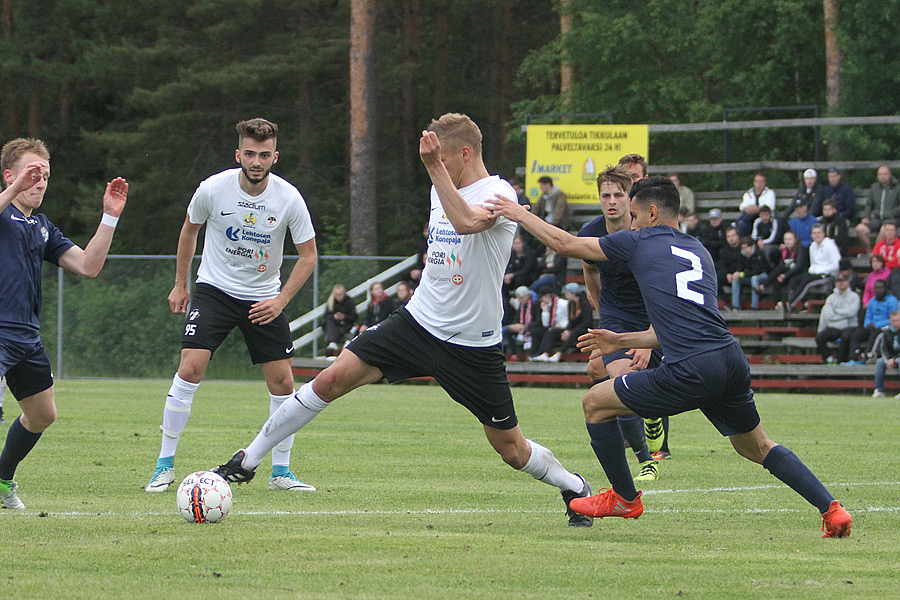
151	90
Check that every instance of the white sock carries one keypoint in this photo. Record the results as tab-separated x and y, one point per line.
290	418
281	454
543	466
176	414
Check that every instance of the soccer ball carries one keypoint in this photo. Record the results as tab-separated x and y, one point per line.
204	497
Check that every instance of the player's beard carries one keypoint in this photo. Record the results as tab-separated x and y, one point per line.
254	178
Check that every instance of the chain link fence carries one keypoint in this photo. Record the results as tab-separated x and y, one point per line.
120	325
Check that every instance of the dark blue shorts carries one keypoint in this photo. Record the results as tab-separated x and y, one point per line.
474	377
25	367
716	382
623	325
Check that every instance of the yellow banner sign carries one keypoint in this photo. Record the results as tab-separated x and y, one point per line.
573	155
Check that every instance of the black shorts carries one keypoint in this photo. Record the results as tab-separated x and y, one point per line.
26	368
214	314
716	382
474	377
625	325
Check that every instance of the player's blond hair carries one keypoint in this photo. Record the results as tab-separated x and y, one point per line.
455	130
13	150
616	175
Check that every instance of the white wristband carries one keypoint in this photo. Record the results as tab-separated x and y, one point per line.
109	220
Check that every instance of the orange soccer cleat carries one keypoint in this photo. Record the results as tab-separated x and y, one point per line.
607	503
836	521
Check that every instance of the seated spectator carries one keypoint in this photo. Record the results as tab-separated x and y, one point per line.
380	306
768	232
835	225
684	192
752	202
340	315
522	198
824	263
712	234
878	316
581	317
882	203
856	284
522	268
810	193
893	282
756	266
879	273
838	320
887	350
802	223
552	205
731	262
519	330
791	261
889	246
841	193
403	296
553	271
553	319
692	224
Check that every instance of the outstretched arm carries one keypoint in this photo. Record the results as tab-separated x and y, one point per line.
607	342
561	242
464	218
89	262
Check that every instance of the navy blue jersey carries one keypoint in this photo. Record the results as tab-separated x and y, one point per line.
678	281
620	295
24	243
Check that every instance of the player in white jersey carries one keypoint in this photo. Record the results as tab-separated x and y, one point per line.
247	212
450	330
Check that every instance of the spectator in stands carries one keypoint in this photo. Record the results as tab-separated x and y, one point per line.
553	319
881	203
792	262
845	267
340	315
893	282
553	271
835	225
841	193
403	296
802	223
753	200
879	273
824	264
838	320
522	268
519	330
887	350
523	199
684	192
380	306
768	233
889	246
810	192
878	316
756	265
692	224
552	205
712	234
581	316
731	262
421	252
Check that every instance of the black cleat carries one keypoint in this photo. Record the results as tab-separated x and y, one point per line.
233	472
577	519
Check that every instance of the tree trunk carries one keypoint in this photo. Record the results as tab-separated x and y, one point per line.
441	36
566	72
363	166
409	97
834	60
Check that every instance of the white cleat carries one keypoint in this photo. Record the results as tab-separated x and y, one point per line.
11	499
162	479
289	482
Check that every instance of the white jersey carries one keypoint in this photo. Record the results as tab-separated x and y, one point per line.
244	242
458	299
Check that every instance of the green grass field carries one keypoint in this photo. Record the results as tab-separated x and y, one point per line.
413	503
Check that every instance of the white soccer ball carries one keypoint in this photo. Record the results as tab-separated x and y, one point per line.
204	497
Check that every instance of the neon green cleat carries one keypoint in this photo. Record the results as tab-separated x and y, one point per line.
649	471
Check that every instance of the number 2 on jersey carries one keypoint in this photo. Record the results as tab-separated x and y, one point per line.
683	278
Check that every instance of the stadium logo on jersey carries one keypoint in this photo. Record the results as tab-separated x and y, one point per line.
251	205
457	279
45	234
250	219
193	314
233	233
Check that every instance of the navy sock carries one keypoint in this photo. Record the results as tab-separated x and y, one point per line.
609	446
784	464
633	429
19	442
